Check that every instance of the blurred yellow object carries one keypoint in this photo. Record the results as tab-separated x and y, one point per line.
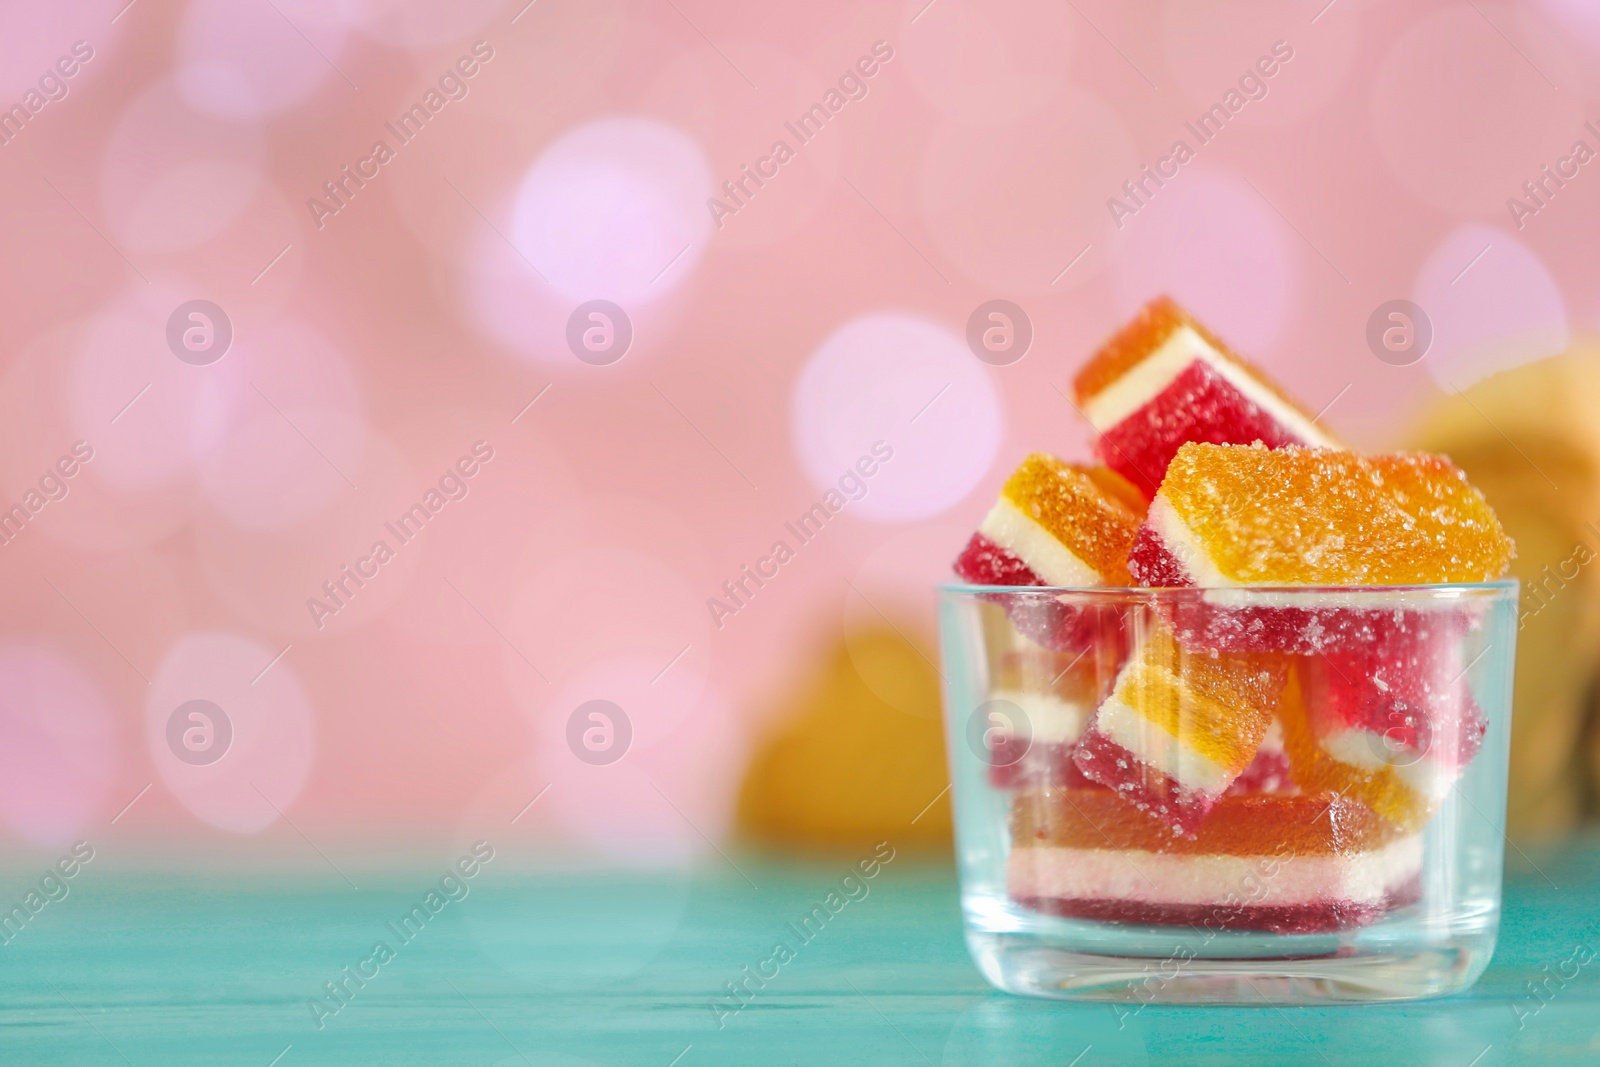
1530	439
846	767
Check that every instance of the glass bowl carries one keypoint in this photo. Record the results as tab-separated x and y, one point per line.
1229	796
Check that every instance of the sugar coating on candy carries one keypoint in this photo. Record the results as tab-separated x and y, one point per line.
1402	703
1293	825
1165	380
1038	765
1179	728
1154	325
1335	621
1408	725
1055	524
1291	864
1067	525
983	562
1404	800
1230	515
1268	773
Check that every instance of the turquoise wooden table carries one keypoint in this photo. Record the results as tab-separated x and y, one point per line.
138	968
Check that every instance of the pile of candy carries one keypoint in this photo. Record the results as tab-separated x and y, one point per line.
1244	759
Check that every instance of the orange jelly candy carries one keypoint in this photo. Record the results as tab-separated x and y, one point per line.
1292	864
1295	825
1240	515
1404	794
1055	524
1180	727
1065	524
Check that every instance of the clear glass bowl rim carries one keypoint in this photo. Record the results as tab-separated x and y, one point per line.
1499	589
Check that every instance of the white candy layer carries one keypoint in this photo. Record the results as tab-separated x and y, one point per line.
1145	381
1051	720
1368	751
1182	543
1241	596
1170	878
1272	742
1007	526
1156	748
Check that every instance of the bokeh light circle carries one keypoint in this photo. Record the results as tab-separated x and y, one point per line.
38	431
244	61
172	178
599	332
57	745
284	412
569	613
271	724
417	23
902	396
199	732
277	468
1493	303
615	209
1461	119
1577	17
1211	242
278	576
147	414
674	789
37	36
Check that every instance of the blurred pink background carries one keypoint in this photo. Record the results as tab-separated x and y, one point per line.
414	324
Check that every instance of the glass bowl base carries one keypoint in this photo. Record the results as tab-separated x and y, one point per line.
1022	963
